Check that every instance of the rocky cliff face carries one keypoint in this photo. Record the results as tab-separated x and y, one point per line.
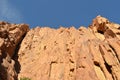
10	36
91	53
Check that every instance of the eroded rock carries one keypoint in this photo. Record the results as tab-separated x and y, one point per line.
91	53
72	54
10	37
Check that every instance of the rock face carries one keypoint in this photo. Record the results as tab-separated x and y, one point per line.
91	53
10	37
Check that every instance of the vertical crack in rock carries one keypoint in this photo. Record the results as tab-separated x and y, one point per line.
111	63
10	36
114	44
15	56
108	67
116	55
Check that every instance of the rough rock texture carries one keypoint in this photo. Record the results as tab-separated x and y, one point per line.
91	53
10	37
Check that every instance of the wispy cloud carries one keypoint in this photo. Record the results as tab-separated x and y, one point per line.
8	12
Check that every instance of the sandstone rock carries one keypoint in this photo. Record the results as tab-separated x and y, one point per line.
72	54
10	37
91	53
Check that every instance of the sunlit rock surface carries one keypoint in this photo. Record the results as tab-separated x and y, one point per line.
45	53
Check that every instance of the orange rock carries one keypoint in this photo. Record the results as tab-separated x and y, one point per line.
71	54
91	53
10	36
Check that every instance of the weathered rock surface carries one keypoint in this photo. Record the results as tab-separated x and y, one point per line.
91	53
10	37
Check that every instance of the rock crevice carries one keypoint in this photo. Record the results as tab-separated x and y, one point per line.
10	36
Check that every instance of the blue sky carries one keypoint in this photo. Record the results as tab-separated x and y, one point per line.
55	13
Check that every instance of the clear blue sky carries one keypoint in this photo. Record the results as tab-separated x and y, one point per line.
55	13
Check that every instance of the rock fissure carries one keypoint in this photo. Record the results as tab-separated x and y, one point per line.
15	56
7	47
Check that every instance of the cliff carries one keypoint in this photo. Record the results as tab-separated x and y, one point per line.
43	53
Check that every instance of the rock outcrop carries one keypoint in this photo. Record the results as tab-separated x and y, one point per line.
91	53
10	36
